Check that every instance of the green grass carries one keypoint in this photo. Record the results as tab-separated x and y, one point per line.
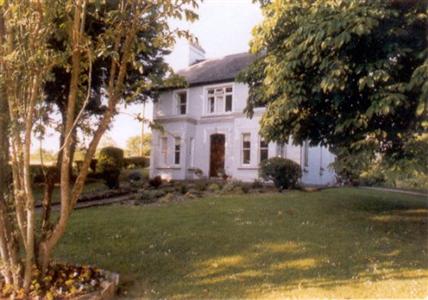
334	243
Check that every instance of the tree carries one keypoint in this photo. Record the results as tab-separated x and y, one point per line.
341	72
27	59
133	145
136	83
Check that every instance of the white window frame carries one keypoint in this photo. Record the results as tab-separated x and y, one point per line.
179	145
177	104
243	134
260	148
220	94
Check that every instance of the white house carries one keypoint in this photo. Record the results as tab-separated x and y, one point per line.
205	128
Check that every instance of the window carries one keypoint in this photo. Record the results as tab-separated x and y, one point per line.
228	103
181	99
164	149
306	153
219	100
264	150
211	104
246	148
177	150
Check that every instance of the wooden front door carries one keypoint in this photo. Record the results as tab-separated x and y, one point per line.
217	155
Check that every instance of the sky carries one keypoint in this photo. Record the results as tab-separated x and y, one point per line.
224	27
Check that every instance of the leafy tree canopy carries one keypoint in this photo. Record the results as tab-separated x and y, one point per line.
136	146
341	72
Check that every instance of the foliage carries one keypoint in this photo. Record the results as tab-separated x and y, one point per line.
284	173
62	280
39	173
110	163
64	42
340	72
213	187
201	185
136	162
350	163
364	166
135	176
257	184
180	187
92	165
235	187
151	196
155	182
136	147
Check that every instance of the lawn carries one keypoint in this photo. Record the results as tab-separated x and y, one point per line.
334	243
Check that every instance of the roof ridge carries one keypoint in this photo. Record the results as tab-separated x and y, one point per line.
203	61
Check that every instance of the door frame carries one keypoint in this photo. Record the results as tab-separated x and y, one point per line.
210	151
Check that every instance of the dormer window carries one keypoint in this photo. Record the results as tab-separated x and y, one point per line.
181	102
219	100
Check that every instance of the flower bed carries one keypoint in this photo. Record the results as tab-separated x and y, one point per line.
68	282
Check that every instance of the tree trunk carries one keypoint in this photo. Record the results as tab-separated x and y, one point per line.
8	244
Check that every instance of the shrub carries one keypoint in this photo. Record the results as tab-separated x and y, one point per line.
257	184
283	172
155	182
110	162
135	176
201	185
39	173
93	165
136	162
151	196
214	187
181	187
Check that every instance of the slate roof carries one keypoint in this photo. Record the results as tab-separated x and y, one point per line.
218	70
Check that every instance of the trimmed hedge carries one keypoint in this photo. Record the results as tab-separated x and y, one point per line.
136	162
110	162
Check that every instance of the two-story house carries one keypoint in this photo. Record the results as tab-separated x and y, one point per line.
205	128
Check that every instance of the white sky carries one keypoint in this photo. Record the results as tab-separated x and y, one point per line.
224	27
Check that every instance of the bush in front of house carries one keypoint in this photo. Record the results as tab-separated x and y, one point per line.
214	188
155	182
284	173
135	176
109	164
